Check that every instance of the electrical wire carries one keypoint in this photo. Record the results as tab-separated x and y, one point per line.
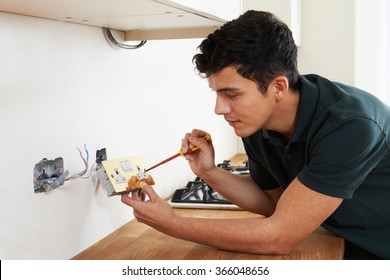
110	37
90	172
85	160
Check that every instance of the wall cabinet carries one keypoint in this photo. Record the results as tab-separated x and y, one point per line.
138	19
154	19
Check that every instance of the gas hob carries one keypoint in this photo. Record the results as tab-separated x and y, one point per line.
198	194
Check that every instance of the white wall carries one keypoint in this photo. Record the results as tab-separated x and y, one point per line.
372	45
346	41
62	86
328	39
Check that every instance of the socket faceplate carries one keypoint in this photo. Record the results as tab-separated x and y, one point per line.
115	173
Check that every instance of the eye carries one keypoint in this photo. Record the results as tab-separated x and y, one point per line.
231	95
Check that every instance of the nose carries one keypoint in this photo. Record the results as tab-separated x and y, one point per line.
222	107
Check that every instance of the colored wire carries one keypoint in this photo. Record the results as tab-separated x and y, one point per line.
90	172
85	160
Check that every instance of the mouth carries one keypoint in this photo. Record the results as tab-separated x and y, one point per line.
232	122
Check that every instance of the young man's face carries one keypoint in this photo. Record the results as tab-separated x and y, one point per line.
241	103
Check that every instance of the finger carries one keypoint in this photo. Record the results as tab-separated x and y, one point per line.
135	195
149	191
142	195
184	143
199	142
126	199
198	133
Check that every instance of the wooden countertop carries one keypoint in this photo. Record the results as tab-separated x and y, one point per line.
139	241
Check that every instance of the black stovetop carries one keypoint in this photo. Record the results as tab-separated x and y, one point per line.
199	192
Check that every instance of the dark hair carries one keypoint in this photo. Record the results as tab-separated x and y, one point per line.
257	43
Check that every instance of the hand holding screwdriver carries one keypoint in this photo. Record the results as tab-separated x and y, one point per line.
180	153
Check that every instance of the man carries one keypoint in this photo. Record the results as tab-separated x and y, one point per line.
318	151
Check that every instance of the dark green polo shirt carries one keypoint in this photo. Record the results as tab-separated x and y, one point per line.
341	148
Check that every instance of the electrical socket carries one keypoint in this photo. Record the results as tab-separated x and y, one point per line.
114	174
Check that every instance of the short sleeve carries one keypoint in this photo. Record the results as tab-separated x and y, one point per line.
342	156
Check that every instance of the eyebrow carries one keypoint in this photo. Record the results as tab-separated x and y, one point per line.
227	89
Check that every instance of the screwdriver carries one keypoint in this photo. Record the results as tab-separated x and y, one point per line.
180	153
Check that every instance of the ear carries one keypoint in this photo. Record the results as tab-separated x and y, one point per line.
280	87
